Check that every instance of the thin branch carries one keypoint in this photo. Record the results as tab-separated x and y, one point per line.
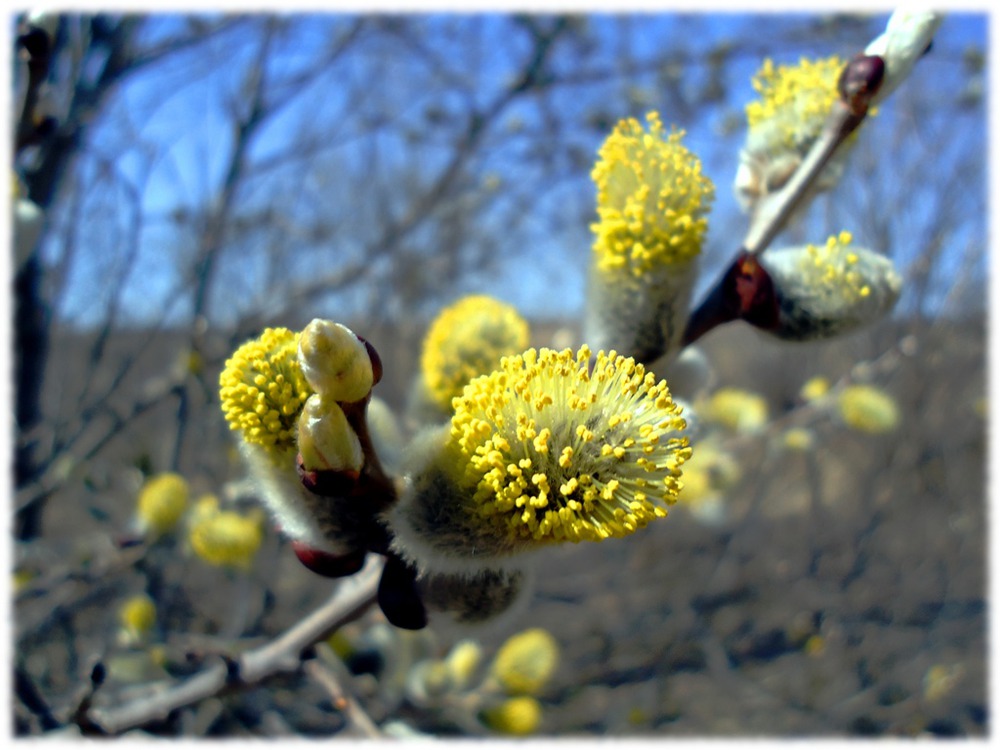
329	672
283	655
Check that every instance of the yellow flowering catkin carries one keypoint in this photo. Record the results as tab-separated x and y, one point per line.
225	538
468	339
554	449
739	410
262	390
162	501
868	409
795	99
137	615
517	717
526	661
833	268
652	198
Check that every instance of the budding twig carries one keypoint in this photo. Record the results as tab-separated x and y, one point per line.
858	84
744	289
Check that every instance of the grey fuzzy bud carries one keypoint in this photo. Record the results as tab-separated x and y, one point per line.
825	292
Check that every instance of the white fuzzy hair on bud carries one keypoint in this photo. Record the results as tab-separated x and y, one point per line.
907	36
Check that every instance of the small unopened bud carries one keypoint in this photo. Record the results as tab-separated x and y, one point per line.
398	597
326	440
335	362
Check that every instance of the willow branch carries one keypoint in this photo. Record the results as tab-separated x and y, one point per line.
858	84
285	654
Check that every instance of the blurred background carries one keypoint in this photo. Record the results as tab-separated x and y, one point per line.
200	177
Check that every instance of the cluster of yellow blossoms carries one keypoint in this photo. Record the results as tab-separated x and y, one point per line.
796	97
834	267
558	446
263	389
652	199
467	339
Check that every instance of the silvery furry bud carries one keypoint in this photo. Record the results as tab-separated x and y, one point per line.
826	291
640	316
653	201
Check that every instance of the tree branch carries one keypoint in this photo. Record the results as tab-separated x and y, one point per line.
352	597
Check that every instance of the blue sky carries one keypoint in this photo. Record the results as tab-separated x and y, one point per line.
180	114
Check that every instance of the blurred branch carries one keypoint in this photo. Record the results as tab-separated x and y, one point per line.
27	692
50	479
329	672
284	655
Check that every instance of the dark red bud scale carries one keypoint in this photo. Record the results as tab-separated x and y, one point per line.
327	482
328	564
376	360
398	597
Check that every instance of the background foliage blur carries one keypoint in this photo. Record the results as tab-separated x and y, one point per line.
208	175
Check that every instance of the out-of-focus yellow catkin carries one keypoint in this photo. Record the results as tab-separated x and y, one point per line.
519	716
833	267
162	501
526	661
467	339
137	616
795	98
814	388
737	409
462	662
940	680
225	538
868	409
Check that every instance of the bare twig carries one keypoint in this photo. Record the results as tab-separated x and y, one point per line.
28	693
329	672
281	656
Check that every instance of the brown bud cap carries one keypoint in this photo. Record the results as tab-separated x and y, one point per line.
398	596
328	564
375	358
327	482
